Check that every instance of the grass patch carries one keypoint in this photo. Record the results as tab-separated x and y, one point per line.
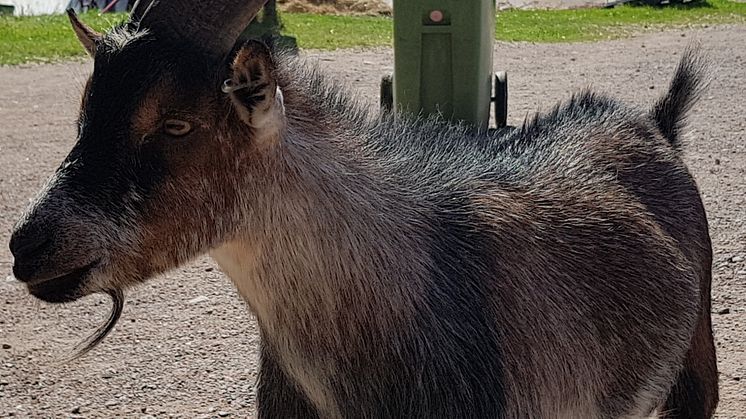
595	24
49	38
333	32
46	38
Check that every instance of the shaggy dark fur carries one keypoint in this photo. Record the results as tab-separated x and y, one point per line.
398	267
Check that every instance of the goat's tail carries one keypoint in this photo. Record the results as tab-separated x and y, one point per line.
688	83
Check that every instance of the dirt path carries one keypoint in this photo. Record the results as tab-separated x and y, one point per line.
177	355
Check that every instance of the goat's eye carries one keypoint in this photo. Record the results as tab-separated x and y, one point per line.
176	128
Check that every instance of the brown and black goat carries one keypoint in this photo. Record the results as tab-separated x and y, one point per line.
398	268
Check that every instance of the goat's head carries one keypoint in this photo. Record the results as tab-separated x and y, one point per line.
151	182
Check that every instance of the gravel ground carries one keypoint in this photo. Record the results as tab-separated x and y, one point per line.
186	345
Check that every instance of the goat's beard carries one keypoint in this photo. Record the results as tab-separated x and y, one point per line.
117	300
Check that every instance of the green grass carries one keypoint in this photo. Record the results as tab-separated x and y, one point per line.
333	32
596	24
45	38
49	38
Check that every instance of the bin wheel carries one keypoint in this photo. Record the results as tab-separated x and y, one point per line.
501	99
387	93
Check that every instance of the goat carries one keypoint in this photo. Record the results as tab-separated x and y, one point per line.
397	267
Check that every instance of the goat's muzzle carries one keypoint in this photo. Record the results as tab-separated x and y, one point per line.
50	273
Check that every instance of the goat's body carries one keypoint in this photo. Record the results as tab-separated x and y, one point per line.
414	269
397	268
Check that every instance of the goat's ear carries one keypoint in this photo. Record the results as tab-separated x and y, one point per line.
87	36
254	91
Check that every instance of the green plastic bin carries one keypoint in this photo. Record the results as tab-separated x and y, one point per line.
267	26
443	58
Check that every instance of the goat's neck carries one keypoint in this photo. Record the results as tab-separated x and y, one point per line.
323	249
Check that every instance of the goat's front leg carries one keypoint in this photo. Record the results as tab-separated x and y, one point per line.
277	396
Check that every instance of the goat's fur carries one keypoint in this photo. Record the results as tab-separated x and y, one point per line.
405	268
401	267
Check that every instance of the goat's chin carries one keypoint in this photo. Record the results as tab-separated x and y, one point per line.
55	296
64	288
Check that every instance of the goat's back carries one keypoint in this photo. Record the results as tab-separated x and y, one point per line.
557	270
592	249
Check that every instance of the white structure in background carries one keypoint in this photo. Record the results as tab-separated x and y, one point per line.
37	7
46	7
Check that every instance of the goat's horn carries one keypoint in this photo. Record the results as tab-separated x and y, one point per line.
214	25
140	9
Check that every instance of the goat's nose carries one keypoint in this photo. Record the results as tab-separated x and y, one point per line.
27	242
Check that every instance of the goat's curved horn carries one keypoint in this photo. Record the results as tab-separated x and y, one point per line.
215	25
140	9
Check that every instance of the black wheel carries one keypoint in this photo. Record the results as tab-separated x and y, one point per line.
387	93
501	99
